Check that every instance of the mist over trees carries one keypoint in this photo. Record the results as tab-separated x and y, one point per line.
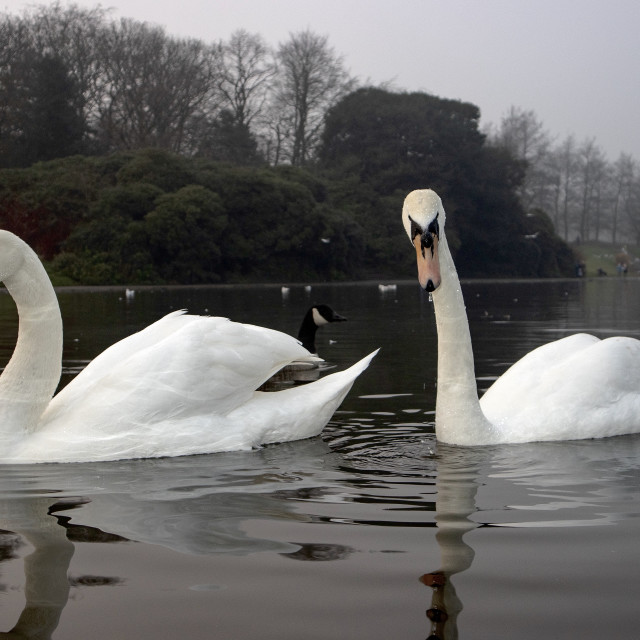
586	196
130	155
124	85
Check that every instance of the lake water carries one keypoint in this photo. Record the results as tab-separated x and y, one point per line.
371	530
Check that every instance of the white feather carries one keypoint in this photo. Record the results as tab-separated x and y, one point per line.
184	385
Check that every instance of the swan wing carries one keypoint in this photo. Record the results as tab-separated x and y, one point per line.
264	418
181	363
573	388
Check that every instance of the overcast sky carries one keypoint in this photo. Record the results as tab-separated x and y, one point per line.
575	63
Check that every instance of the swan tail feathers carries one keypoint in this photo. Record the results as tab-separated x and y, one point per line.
300	412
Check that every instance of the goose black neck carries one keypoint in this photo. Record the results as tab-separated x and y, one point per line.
307	332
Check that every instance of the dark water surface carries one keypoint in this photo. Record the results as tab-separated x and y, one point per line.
371	530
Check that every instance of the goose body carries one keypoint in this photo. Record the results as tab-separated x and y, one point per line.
573	388
309	368
184	385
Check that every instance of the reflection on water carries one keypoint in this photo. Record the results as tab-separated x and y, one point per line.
456	487
371	531
204	506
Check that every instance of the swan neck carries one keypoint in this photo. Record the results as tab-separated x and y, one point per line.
32	375
459	418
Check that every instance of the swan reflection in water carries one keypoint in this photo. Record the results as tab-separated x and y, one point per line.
456	487
47	527
46	583
594	481
189	505
195	507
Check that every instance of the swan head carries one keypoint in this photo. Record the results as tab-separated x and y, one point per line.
423	218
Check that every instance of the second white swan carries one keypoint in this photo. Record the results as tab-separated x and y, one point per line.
574	388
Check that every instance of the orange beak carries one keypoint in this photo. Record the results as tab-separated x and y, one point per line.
428	265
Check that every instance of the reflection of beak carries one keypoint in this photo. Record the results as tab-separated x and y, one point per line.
428	265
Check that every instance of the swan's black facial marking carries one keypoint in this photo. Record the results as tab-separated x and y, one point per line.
434	227
416	229
426	237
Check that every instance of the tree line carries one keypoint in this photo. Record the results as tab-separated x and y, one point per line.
153	216
74	81
587	196
133	156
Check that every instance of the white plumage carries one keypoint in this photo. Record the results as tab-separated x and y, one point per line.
184	385
574	388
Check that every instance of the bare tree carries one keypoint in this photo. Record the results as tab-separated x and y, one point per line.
564	171
526	139
154	86
311	78
41	102
632	209
623	172
16	56
71	34
276	134
246	68
592	171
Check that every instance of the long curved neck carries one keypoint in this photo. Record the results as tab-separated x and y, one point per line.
32	375
459	418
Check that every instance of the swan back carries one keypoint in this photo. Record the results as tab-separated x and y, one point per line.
180	365
574	388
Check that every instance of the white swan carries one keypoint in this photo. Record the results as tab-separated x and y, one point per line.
184	385
577	387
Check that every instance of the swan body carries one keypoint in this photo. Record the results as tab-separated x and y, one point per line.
574	388
184	385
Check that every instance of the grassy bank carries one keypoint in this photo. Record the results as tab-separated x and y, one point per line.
606	256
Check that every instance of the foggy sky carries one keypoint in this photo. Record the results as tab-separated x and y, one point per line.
575	63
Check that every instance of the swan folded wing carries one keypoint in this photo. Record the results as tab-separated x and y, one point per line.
292	414
299	412
577	387
114	356
177	365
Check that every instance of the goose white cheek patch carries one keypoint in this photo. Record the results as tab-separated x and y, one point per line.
318	319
